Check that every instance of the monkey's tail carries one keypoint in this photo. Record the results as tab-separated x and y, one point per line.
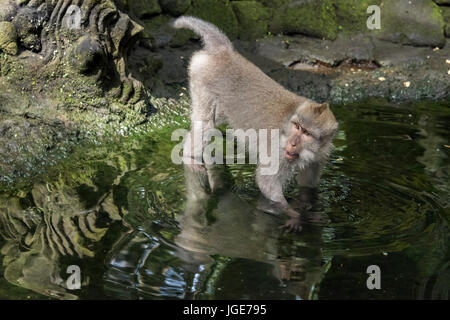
212	37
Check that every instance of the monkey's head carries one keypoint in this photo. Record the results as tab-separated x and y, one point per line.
310	133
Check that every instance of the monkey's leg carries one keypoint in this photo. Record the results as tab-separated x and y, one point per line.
309	177
271	187
202	119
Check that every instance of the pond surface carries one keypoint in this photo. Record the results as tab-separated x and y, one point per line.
124	214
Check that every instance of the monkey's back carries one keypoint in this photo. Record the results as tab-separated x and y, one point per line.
240	92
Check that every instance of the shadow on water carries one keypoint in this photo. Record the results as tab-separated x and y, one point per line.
140	227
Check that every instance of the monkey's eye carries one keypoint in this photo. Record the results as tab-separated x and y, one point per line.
307	133
297	126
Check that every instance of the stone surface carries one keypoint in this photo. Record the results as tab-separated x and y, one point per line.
160	33
28	22
352	15
313	18
252	17
8	38
446	16
416	22
7	10
143	8
175	7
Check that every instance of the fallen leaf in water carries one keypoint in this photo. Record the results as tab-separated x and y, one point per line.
407	84
447	61
446	145
382	78
436	49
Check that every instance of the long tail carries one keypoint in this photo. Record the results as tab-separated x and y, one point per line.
213	39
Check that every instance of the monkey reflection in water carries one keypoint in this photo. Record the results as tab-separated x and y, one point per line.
225	224
227	88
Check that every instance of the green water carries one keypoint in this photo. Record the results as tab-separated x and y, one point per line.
121	212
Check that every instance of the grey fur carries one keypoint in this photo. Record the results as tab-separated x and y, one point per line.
227	88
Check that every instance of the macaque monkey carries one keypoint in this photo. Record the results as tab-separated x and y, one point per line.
227	88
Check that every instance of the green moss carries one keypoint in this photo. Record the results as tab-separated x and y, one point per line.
314	18
252	17
218	12
274	3
352	14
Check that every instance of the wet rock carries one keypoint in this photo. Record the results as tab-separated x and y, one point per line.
175	7
218	12
8	38
288	50
313	18
390	54
446	16
417	22
252	17
442	1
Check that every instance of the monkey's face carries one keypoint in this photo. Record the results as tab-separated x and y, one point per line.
299	142
310	132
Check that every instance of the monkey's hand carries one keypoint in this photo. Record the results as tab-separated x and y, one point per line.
294	222
293	225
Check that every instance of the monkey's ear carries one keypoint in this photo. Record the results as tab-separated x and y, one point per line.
321	108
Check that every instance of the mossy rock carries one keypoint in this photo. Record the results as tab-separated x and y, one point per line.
8	38
143	8
218	12
274	3
175	7
446	16
352	14
313	18
252	17
418	22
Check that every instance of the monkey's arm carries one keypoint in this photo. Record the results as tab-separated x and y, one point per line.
271	187
309	177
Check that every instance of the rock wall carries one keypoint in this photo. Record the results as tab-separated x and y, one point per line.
415	22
